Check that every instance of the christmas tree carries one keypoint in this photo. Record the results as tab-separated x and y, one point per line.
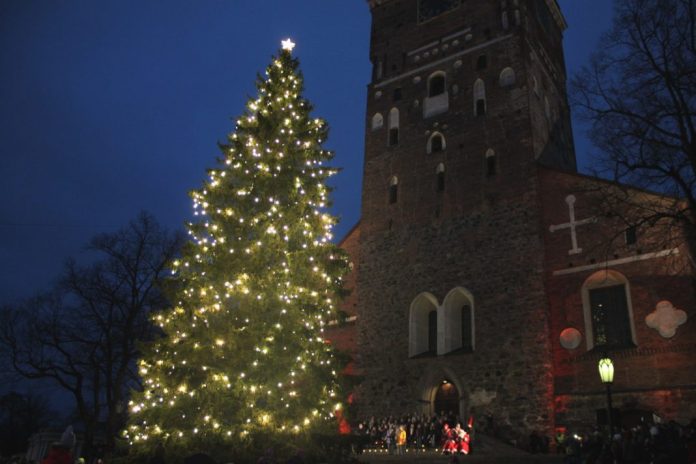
242	350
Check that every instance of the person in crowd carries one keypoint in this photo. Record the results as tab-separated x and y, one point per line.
401	441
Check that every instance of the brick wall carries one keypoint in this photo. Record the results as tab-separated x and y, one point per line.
655	365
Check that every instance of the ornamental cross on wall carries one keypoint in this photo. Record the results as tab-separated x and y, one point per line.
572	225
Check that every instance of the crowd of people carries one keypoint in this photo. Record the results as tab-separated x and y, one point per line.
445	433
668	443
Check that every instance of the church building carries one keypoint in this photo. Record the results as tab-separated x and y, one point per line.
484	280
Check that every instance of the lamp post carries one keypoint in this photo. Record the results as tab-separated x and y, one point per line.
606	373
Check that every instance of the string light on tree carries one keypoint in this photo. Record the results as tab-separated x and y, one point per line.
243	350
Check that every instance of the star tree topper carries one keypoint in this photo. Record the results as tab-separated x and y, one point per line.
288	45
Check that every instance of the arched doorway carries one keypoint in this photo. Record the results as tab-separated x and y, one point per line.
446	399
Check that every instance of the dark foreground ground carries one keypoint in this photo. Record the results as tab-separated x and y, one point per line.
487	451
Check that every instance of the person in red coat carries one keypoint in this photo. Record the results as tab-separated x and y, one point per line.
462	439
449	445
61	452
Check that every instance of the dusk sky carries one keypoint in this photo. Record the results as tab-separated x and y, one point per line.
111	107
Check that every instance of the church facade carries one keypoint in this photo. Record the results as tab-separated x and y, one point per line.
486	278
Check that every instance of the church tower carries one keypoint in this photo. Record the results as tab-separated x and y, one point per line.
467	99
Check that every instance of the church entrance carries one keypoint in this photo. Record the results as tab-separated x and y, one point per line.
446	399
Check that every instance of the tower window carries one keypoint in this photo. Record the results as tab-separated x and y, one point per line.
482	62
436	84
393	136
432	332
397	94
428	9
491	163
393	127
505	20
436	143
507	77
631	235
393	189
479	98
440	174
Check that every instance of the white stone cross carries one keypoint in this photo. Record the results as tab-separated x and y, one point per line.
570	199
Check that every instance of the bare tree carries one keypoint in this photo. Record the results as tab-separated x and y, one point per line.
83	336
638	95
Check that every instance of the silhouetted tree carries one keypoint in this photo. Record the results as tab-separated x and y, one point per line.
638	95
83	336
22	415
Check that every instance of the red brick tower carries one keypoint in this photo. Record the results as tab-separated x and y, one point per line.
467	98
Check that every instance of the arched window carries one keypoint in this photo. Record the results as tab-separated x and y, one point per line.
491	163
393	189
458	317
423	325
507	77
479	98
606	301
393	127
481	62
436	143
436	84
377	121
505	20
440	175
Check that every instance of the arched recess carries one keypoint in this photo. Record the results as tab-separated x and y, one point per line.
608	311
479	97
458	316
431	381
507	77
420	325
377	121
437	84
436	143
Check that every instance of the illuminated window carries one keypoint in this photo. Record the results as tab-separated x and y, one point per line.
608	311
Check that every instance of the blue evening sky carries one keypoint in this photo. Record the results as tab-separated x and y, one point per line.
110	107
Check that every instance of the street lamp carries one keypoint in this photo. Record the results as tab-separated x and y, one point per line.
606	373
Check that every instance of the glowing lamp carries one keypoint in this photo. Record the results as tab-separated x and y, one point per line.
606	370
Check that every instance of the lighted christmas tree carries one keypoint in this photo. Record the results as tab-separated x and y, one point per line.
259	280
